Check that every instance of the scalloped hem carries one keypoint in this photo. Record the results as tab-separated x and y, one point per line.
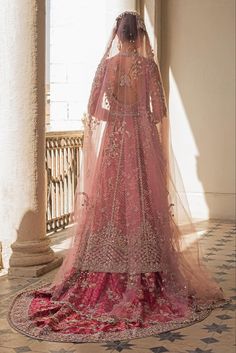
19	320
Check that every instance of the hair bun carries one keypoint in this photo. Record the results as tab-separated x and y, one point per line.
127	28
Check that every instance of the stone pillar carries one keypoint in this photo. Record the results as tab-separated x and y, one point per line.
22	136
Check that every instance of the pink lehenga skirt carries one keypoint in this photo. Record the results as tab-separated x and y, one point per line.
127	277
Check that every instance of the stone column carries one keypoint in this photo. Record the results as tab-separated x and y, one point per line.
22	136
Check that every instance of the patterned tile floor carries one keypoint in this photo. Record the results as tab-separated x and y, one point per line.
216	334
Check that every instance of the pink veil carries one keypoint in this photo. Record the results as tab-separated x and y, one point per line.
127	111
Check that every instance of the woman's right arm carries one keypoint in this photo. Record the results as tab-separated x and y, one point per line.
156	92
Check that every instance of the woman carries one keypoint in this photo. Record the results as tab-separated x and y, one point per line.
133	268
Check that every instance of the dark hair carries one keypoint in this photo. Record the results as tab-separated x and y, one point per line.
127	27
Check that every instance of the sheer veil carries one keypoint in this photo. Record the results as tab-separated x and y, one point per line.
127	111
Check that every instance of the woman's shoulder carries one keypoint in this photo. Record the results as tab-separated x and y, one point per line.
118	57
148	65
151	65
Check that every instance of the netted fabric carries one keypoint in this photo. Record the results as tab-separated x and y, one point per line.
134	266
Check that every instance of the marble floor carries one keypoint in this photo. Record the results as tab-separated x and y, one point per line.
215	334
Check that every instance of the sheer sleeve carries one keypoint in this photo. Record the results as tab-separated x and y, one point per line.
156	92
96	89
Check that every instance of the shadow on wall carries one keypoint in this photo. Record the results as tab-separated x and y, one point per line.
198	48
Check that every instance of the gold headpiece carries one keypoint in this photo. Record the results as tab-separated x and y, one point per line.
140	21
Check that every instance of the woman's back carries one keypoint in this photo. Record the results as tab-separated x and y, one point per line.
130	271
127	78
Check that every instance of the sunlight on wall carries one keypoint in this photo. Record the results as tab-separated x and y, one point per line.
149	22
185	151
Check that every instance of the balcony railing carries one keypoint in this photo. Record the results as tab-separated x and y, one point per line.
63	152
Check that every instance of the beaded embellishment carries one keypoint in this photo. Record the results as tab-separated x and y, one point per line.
140	21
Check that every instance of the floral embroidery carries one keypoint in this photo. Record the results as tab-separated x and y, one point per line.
126	276
93	327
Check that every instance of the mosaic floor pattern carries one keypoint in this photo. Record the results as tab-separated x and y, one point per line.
215	334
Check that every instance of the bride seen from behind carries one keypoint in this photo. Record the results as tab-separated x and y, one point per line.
130	271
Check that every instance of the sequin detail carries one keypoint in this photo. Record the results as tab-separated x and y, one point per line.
20	319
